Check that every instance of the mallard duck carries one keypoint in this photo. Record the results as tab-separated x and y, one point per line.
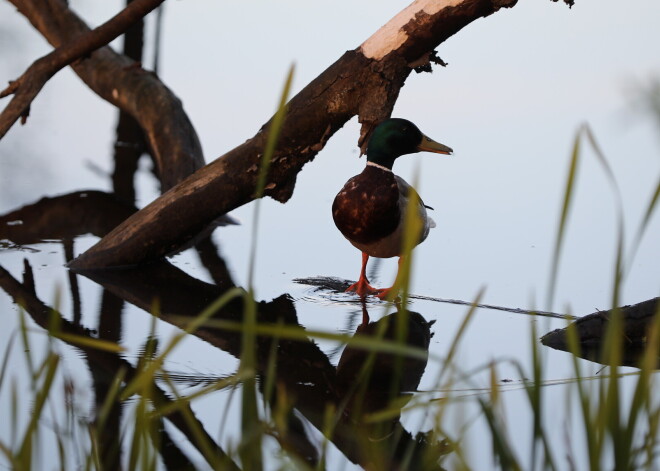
370	208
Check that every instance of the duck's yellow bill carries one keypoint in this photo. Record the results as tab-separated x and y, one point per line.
429	145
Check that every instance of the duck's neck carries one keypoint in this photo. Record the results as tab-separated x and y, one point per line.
379	166
380	155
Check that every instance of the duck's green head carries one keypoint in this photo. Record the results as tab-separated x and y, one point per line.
395	137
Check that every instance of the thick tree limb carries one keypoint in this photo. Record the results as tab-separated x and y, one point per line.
364	82
122	82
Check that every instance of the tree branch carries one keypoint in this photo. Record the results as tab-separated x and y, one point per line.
28	85
364	82
130	143
121	81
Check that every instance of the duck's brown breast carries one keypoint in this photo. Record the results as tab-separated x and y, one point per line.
367	207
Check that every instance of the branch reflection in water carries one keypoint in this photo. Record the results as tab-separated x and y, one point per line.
375	376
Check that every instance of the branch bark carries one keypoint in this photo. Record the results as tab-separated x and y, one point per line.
122	82
364	82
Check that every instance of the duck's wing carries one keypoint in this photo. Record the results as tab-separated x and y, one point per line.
405	190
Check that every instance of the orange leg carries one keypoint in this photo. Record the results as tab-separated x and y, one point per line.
365	315
383	293
362	286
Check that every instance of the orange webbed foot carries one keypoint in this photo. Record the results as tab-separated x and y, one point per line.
384	292
363	288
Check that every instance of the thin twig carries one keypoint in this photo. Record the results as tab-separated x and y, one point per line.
28	85
339	285
515	310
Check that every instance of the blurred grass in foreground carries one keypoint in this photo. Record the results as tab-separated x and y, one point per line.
613	427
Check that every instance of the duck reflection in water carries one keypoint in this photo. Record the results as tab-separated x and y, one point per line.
371	380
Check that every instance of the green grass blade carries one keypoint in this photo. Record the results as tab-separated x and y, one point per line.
26	345
224	383
501	443
269	150
534	391
566	205
590	430
453	348
146	375
5	359
641	230
641	396
618	200
368	343
412	229
251	427
42	394
88	342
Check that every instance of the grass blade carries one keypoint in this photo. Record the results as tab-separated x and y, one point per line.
566	205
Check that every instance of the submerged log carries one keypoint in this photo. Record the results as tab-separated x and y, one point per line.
591	331
65	217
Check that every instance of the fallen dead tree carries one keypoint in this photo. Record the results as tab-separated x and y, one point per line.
592	332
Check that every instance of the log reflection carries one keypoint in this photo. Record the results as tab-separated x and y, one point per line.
304	372
364	383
